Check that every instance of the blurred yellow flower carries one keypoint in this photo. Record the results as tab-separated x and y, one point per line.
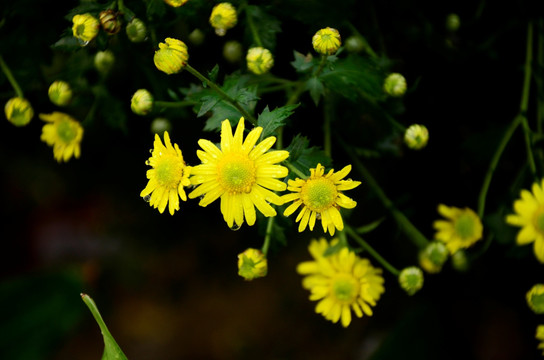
252	264
342	282
85	27
223	17
241	173
535	298
60	93
461	229
18	111
259	60
172	56
433	257
326	41
168	176
64	133
176	3
540	336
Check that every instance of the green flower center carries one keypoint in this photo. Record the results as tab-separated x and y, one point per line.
539	220
345	288
66	131
464	226
169	171
236	173
318	194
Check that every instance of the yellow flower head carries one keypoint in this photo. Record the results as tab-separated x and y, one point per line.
395	85
530	217
326	41
462	229
18	111
223	17
341	282
416	137
60	93
64	133
85	27
535	298
172	56
252	264
411	279
321	196
241	173
141	102
433	257
168	176
540	336
176	3
259	60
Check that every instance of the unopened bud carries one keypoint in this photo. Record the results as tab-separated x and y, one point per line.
355	44
196	37
326	41
172	56
223	17
232	51
60	93
141	102
85	28
416	137
433	257
18	111
160	125
411	279
259	60
459	261
110	21
103	61
136	30
175	3
535	298
252	264
395	85
453	22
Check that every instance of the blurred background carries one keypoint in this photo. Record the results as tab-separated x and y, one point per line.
167	286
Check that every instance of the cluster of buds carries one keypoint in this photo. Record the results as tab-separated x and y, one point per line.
86	27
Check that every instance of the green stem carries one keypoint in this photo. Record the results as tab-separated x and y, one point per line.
96	314
223	94
371	251
268	235
294	169
327	118
321	65
253	29
11	78
173	104
293	99
525	98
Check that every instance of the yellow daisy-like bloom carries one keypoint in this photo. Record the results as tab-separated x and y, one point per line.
85	27
240	173
64	133
176	3
462	229
530	217
168	176
341	282
60	93
252	264
223	17
172	56
321	197
259	60
540	336
326	41
18	111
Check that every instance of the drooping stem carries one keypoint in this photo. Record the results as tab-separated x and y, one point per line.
10	77
294	169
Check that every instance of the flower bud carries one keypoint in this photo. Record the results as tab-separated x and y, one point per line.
110	21
535	298
355	44
252	264
326	41
459	260
175	3
141	102
85	27
433	257
172	56
136	30
60	93
259	60
232	51
540	336
411	279
196	37
395	85
18	111
103	61
223	17
160	125
453	22
416	136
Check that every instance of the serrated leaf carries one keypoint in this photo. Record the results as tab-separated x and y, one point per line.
271	120
297	146
67	43
303	63
316	88
212	74
267	26
208	102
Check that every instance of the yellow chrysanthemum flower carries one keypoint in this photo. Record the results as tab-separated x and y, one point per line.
172	56
85	27
60	93
462	229
341	282
176	3
259	60
223	17
240	173
321	196
540	336
530	217
64	133
168	176
326	41
252	264
18	111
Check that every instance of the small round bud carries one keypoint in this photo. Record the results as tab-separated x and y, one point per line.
223	17
535	298
259	60
453	22
196	37
160	125
232	51
326	41
85	28
175	3
141	102
459	261
103	61
433	257
172	56
60	93
355	44
416	136
252	264
411	279
136	30
110	21
18	111
395	85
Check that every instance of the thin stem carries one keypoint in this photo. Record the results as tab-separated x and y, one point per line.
293	99
321	65
173	104
371	251
268	235
327	118
294	169
525	98
11	78
223	94
253	29
96	314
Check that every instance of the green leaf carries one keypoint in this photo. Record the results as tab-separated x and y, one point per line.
271	120
297	146
369	227
266	26
212	74
155	8
303	63
304	157
112	351
208	102
67	43
316	88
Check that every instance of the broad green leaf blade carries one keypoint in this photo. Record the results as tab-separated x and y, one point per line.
316	88
271	120
112	351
